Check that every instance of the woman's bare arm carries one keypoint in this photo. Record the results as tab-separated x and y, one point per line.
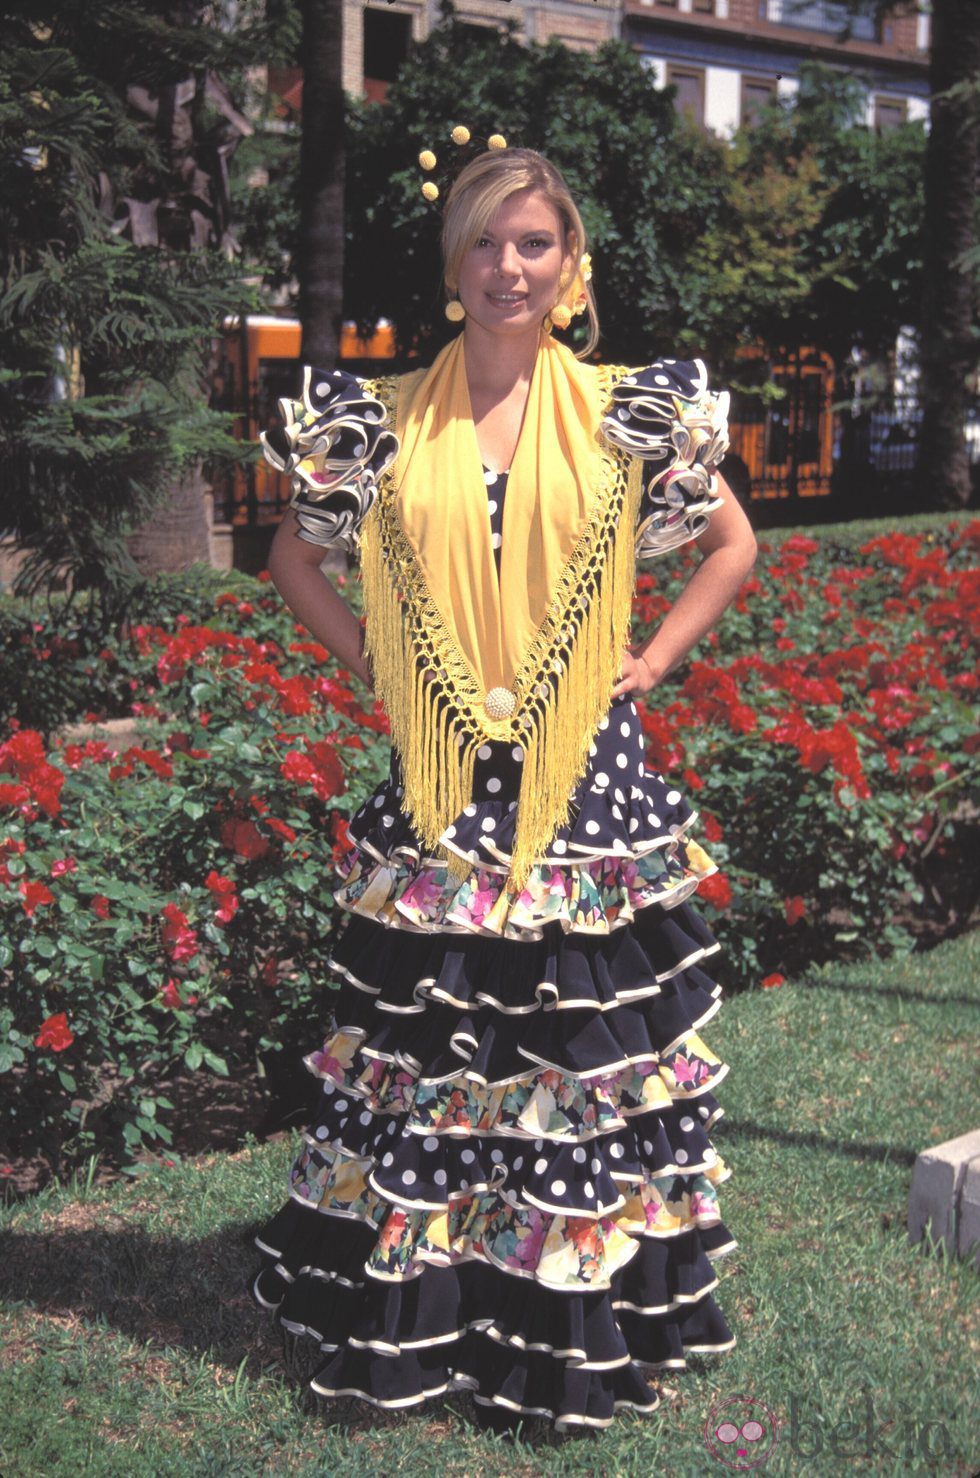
294	565
730	550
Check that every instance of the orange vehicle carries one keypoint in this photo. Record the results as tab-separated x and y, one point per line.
787	450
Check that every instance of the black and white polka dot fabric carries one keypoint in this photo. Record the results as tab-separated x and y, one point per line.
496	492
508	1186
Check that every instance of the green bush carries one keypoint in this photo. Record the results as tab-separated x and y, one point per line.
172	905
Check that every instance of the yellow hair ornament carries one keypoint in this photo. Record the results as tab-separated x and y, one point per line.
460	135
496	141
427	159
430	191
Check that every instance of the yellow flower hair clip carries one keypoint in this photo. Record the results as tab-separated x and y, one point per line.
460	136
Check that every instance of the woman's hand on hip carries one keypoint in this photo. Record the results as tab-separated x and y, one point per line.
636	676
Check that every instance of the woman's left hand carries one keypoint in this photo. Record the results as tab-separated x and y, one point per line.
636	676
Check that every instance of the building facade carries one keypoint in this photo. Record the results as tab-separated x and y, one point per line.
728	58
377	35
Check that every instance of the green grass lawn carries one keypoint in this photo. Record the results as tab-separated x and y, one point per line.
128	1345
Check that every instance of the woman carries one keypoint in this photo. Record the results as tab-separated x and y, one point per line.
509	1186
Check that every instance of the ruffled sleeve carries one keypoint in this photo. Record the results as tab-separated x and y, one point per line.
333	445
667	415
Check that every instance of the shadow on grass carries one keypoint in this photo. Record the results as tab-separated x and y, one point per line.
867	1149
926	996
192	1297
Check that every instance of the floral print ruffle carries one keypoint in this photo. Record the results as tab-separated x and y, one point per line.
589	897
563	1252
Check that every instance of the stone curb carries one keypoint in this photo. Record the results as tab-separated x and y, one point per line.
946	1193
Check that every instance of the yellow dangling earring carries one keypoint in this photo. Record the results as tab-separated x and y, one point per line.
560	315
455	311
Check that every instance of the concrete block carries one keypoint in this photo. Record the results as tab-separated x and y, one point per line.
968	1239
937	1186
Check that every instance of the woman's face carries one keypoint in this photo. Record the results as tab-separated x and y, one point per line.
510	277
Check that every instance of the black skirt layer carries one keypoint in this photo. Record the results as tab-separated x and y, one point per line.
508	1185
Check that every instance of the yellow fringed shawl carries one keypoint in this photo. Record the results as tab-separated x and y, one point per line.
546	639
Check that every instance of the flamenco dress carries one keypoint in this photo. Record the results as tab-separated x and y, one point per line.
508	1184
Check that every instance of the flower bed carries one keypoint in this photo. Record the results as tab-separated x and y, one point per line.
161	902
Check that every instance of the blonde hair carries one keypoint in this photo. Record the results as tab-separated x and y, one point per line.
477	194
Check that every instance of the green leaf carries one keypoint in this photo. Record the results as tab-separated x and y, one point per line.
193	1057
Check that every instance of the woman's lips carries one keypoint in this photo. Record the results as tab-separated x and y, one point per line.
507	300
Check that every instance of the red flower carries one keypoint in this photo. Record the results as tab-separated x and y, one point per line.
712	827
269	973
157	763
100	906
769	981
244	839
281	828
716	889
23	755
63	865
55	1033
795	908
34	895
179	939
223	893
319	768
170	995
342	842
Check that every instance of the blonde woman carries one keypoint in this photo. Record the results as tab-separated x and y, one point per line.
509	1185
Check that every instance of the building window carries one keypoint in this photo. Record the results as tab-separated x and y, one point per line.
387	36
889	113
757	92
704	7
831	17
689	97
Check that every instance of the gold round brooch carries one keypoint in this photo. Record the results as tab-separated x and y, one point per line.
500	702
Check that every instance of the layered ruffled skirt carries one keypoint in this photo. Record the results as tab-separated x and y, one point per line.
509	1184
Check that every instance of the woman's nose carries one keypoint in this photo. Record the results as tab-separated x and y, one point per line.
507	262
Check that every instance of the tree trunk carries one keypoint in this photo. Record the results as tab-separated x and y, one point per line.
949	352
178	534
320	267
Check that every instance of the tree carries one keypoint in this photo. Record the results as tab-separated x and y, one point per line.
949	308
107	311
647	183
807	230
821	241
321	183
